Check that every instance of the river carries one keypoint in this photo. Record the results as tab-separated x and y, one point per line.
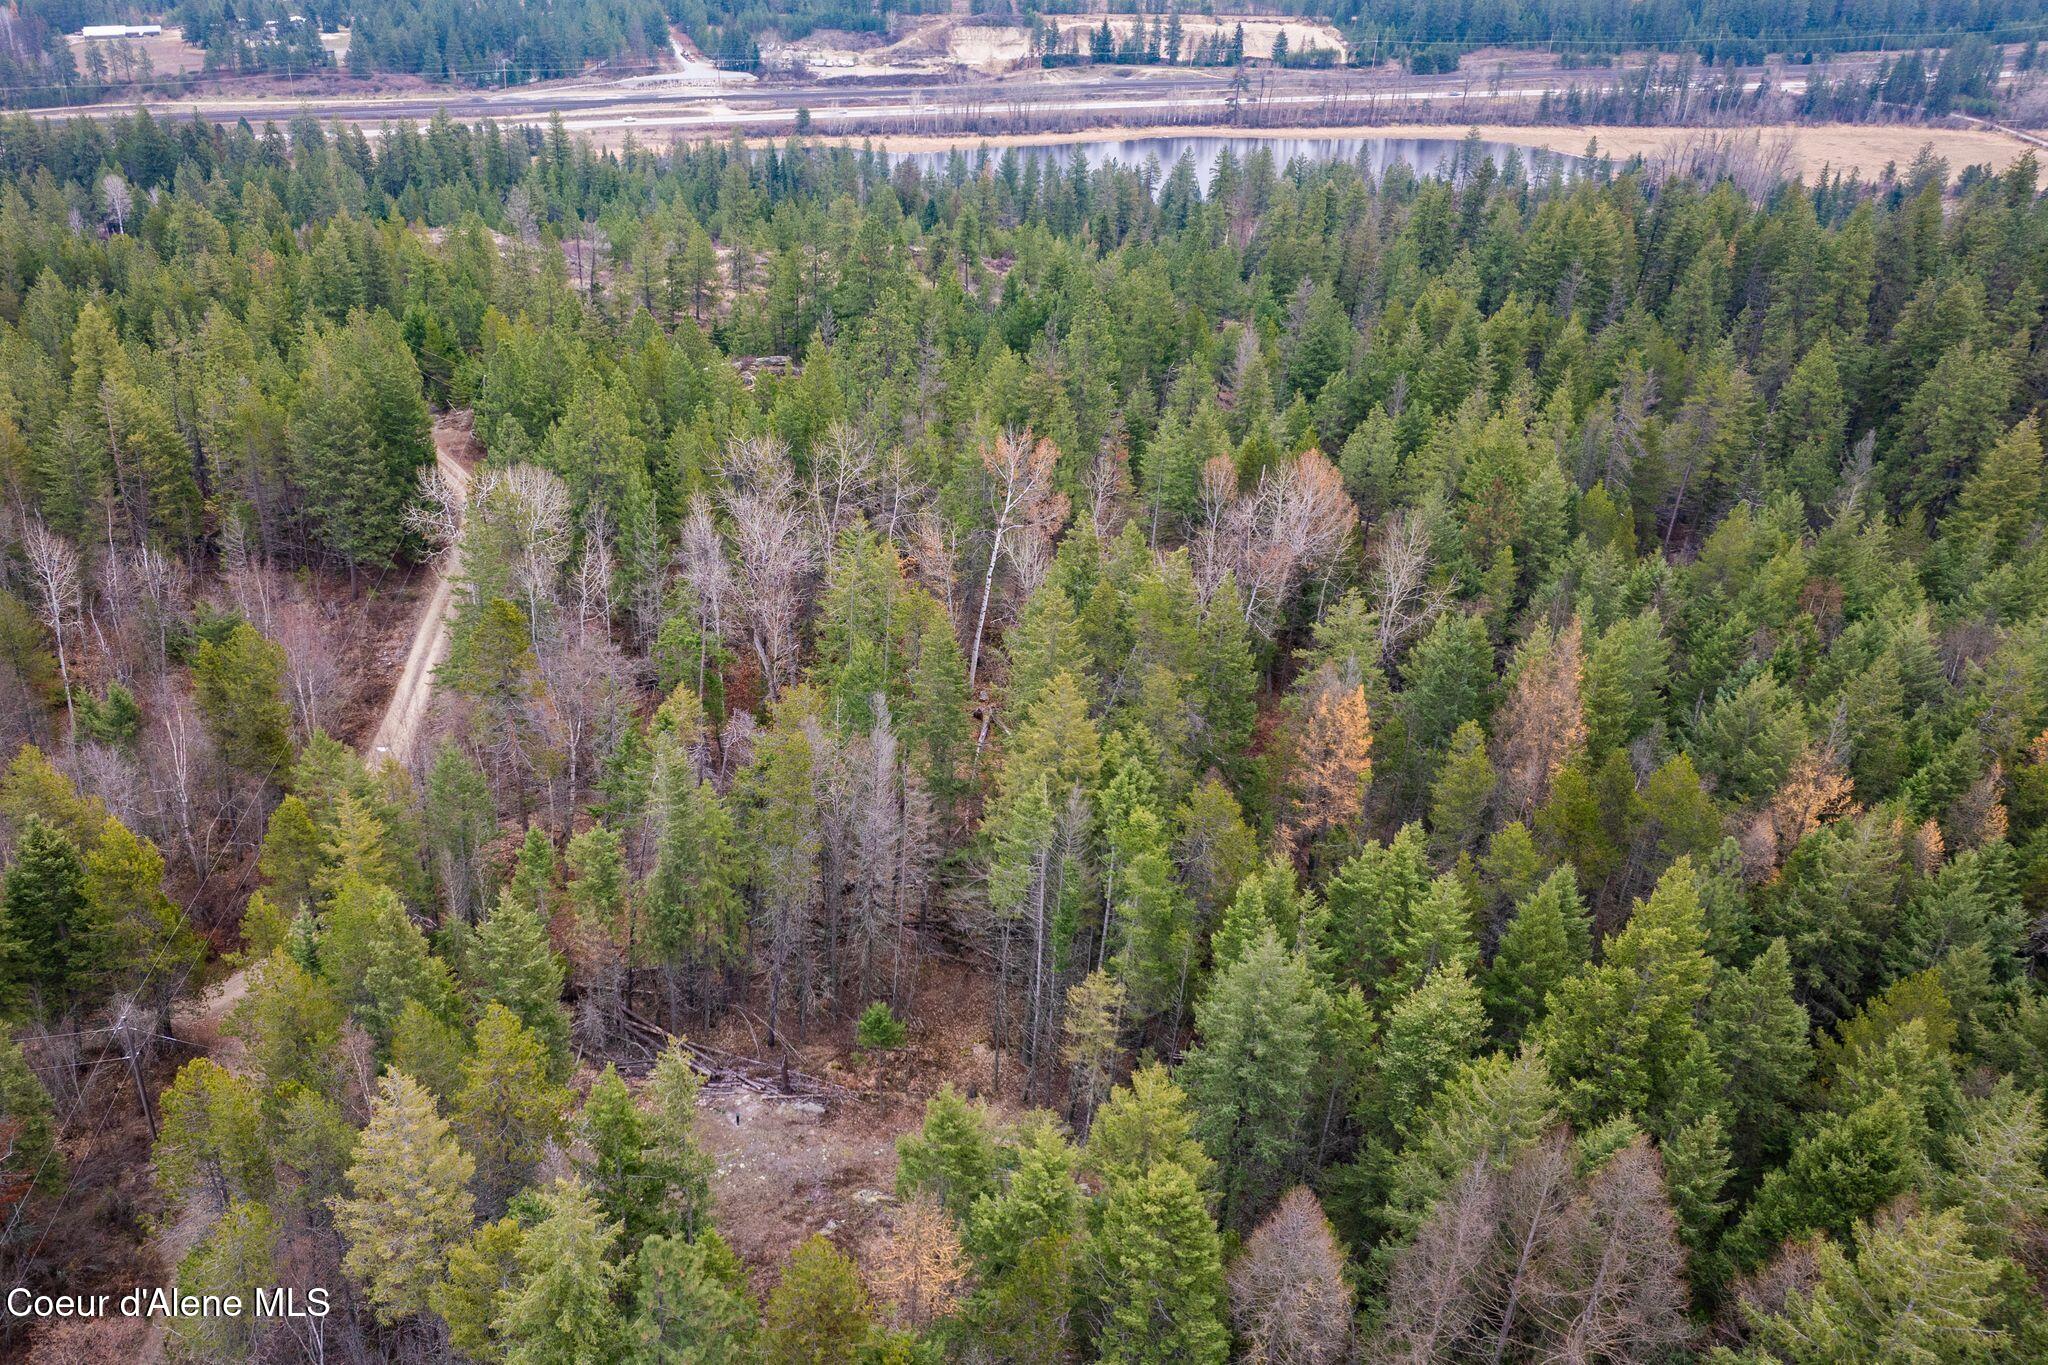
1374	155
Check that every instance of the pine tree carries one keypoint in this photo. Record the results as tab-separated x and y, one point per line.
1848	1166
1450	679
238	685
1622	1037
1371	898
409	1204
1994	1181
511	963
1913	1291
507	1112
952	1157
483	1274
458	818
616	1133
1485	1116
359	437
563	1311
694	915
30	1159
1249	1078
1090	1049
237	1257
1158	1274
1146	1123
1759	1031
142	937
50	948
290	1023
211	1131
1041	1200
1458	803
1550	938
1429	1034
679	1166
819	1312
291	861
692	1304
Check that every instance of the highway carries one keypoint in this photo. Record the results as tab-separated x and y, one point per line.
695	102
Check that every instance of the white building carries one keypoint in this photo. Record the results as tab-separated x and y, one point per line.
120	30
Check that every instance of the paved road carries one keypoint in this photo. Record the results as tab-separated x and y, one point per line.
695	102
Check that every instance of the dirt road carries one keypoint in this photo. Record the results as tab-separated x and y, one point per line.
400	725
203	1021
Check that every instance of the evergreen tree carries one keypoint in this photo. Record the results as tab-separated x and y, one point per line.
1913	1291
1249	1078
511	963
1158	1274
1623	1037
1758	1031
211	1133
1429	1034
819	1311
1548	940
409	1204
50	944
30	1160
563	1311
952	1157
692	1304
507	1111
238	684
483	1274
1040	1201
237	1257
1148	1122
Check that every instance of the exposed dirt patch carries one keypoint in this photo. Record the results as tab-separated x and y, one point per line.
789	1168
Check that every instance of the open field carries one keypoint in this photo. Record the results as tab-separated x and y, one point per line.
169	53
1260	31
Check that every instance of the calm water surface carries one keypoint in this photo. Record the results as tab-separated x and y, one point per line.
1373	155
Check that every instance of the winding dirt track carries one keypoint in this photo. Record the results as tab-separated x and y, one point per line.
400	724
205	1018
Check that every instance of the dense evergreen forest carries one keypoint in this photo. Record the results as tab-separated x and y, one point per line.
1483	742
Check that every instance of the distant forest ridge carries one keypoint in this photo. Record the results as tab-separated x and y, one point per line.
519	41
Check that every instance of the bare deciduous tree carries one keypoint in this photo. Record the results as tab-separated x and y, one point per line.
519	518
1612	1286
1404	599
1027	514
843	476
1293	524
774	550
1432	1305
1543	722
53	567
1289	1300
